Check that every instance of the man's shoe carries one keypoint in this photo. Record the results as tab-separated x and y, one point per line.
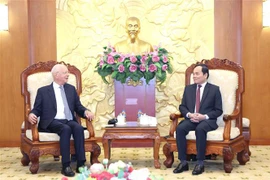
198	169
180	168
78	168
68	172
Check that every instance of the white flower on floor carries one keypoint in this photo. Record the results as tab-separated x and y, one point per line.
97	168
141	174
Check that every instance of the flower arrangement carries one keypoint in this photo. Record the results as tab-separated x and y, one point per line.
120	66
115	171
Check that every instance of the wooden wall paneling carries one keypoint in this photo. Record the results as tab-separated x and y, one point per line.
228	25
42	30
31	38
256	53
13	59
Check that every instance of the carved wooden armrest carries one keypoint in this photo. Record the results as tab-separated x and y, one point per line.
174	118
90	128
28	125
35	135
227	118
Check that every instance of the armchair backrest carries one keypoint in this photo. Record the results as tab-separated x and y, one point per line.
229	76
38	75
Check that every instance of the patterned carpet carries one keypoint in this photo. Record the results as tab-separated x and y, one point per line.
258	168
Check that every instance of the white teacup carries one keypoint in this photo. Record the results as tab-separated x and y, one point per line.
121	119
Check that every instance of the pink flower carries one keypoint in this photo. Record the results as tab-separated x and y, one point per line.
121	58
155	58
133	59
156	48
143	60
142	67
132	68
164	67
111	48
152	68
155	53
121	68
101	63
110	60
165	59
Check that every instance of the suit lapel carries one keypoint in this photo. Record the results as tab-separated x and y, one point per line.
52	94
194	88
205	92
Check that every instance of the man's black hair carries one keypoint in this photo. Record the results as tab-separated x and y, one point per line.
204	69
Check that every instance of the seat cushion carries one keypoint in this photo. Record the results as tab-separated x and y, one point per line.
44	136
246	122
216	135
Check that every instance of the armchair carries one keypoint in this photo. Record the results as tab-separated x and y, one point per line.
35	144
228	139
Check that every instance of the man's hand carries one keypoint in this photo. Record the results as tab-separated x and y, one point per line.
196	117
32	118
89	115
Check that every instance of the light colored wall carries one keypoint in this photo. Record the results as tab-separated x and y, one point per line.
184	28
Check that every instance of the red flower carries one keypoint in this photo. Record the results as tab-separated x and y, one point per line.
102	176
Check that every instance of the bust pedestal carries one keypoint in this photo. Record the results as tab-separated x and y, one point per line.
132	97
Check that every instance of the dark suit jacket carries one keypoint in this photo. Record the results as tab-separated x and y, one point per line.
45	104
211	102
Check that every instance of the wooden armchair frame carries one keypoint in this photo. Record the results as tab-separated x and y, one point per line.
227	147
33	149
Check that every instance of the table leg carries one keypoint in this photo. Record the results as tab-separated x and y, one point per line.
156	152
106	148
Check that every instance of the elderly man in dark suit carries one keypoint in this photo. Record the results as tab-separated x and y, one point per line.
201	106
56	105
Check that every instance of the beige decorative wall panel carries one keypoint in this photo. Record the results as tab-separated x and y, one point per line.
84	27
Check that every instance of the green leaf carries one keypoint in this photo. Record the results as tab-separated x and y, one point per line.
114	74
104	79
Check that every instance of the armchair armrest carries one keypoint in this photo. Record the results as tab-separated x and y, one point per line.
27	125
174	118
227	118
35	135
90	129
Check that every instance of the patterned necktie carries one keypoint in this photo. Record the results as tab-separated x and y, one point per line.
66	107
198	101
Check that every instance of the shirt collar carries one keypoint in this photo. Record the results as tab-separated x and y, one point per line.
55	85
203	84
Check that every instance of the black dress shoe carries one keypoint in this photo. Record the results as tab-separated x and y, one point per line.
180	168
68	172
198	169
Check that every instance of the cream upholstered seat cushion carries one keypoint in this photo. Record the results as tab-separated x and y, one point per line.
246	122
44	136
36	81
216	135
228	83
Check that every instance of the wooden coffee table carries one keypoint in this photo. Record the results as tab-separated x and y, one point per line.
132	131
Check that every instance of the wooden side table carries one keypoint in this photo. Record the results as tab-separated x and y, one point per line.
131	131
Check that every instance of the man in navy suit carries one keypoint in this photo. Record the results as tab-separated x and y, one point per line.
50	107
201	118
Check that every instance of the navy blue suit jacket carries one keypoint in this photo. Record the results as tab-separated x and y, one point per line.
211	102
45	105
